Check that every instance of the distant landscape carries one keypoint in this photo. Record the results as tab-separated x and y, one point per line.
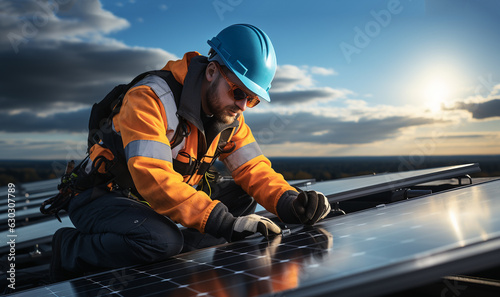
319	168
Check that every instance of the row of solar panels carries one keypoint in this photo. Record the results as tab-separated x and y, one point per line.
30	196
378	251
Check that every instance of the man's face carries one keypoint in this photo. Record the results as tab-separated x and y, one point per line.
219	101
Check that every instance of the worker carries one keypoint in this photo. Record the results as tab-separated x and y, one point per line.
119	224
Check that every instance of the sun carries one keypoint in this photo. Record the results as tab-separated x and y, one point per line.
436	92
438	82
439	86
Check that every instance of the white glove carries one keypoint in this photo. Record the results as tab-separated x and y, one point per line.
247	225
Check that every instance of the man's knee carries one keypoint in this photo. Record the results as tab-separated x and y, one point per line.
154	241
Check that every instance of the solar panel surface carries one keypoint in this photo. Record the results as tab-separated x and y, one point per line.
28	235
349	188
376	251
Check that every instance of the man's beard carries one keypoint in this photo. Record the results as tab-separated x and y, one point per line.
216	107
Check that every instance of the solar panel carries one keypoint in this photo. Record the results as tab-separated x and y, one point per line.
301	182
30	230
31	188
350	188
23	214
30	235
28	203
359	186
377	251
28	198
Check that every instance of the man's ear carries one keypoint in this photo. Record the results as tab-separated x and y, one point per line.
210	71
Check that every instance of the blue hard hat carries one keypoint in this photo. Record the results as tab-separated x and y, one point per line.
248	52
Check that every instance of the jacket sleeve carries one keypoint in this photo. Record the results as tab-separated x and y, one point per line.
142	123
252	171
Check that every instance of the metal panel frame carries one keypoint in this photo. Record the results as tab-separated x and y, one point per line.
394	181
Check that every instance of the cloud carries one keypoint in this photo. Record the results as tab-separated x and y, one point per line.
295	85
464	136
480	111
26	21
307	95
323	71
76	121
57	57
291	77
274	128
71	73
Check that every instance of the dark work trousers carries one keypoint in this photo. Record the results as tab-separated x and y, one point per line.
113	231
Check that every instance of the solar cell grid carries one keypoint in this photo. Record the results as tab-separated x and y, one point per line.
338	254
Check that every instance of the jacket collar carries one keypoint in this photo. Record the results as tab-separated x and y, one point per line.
190	103
190	72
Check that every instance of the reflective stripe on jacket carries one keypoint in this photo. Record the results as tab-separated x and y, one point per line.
146	123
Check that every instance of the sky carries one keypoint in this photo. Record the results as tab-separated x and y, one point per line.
355	78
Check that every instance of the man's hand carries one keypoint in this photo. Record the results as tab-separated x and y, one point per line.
310	207
247	225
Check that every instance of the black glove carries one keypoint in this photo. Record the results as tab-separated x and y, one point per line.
310	207
247	225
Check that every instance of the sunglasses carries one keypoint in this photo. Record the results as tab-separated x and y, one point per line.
237	93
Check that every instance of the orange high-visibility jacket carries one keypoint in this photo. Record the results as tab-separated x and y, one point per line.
147	121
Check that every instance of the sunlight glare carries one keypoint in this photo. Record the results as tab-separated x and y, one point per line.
439	85
436	93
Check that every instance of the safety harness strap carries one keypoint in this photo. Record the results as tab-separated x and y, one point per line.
191	168
113	141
